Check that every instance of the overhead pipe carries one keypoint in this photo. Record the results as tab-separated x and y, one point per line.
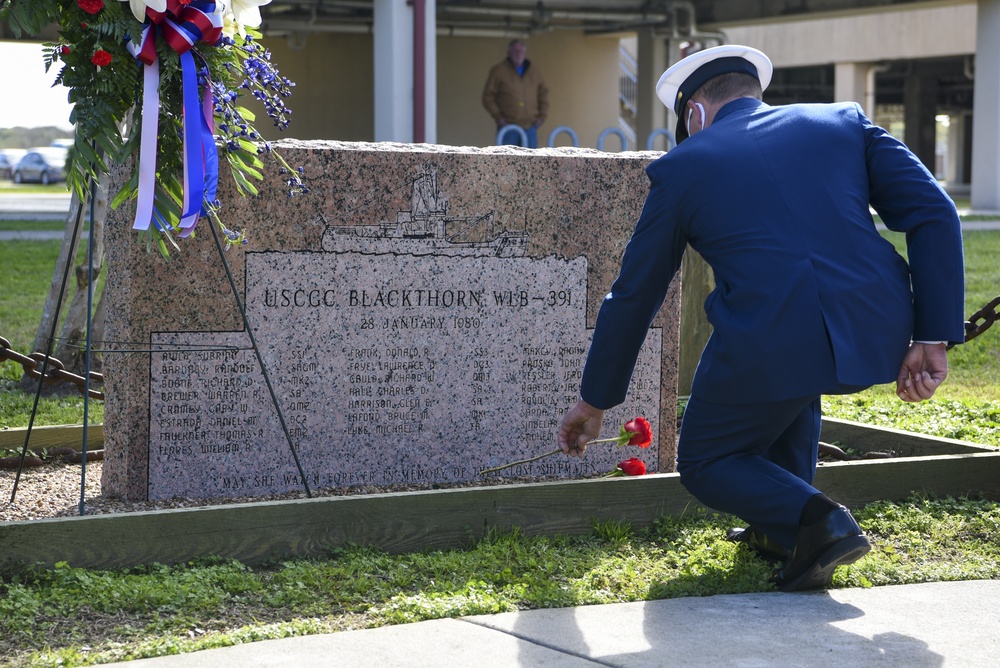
691	31
505	33
319	4
625	18
450	29
358	25
571	14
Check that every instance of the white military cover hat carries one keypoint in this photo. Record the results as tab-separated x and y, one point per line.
684	78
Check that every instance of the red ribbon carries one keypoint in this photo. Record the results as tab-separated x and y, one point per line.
182	25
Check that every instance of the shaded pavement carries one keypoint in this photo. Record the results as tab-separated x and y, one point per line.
931	624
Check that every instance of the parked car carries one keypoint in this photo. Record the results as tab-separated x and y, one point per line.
46	164
9	158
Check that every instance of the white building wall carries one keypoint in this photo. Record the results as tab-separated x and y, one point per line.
924	32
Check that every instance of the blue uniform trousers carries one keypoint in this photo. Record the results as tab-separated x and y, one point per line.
755	461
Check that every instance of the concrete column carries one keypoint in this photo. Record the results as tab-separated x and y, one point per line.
966	148
393	45
855	82
652	61
959	147
986	109
430	71
849	83
920	99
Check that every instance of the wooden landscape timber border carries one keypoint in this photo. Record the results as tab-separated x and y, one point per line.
442	519
65	436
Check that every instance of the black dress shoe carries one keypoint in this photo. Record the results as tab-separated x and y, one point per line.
760	542
836	540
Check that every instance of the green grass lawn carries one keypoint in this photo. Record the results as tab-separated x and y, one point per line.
32	225
9	187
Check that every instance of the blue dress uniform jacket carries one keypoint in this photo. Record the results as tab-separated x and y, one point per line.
809	298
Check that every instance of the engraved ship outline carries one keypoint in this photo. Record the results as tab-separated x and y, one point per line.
427	229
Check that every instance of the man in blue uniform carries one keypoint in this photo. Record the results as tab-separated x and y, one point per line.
809	298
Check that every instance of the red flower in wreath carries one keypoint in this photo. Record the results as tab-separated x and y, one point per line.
64	50
101	58
91	6
632	466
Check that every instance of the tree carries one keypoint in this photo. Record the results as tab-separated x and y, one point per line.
20	137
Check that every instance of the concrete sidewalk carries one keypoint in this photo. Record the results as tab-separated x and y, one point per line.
933	624
34	206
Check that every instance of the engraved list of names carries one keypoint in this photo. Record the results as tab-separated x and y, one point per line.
389	369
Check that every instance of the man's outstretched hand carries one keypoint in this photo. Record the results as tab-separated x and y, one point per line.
925	366
579	426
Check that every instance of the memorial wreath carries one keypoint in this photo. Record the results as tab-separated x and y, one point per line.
159	82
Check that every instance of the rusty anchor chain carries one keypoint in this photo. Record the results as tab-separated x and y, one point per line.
55	371
981	320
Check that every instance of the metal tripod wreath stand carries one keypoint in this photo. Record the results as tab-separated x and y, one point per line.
44	374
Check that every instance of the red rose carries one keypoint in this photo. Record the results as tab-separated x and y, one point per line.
633	466
642	433
64	50
91	6
101	58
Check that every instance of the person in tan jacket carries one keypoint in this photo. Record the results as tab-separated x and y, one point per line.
516	94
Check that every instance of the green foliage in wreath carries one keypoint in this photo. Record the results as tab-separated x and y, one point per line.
105	81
